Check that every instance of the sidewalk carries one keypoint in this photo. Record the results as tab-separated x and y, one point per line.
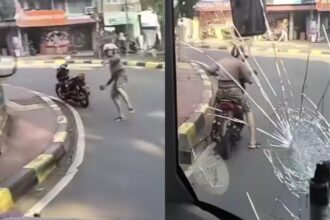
189	91
135	57
194	96
148	62
215	43
33	125
36	141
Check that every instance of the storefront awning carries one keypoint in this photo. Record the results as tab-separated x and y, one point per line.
41	18
281	8
80	20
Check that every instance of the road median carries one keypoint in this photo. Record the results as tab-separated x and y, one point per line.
194	128
41	146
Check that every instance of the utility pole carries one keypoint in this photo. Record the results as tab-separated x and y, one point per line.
127	26
98	11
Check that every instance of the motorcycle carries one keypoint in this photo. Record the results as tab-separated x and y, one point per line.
74	89
226	130
132	47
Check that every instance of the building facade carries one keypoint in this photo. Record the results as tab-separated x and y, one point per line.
51	27
304	19
123	16
214	18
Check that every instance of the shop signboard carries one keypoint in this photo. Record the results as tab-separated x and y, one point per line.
119	18
149	19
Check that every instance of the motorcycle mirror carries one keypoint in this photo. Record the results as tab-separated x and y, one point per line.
248	17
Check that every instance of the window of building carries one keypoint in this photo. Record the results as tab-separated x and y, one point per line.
59	4
78	6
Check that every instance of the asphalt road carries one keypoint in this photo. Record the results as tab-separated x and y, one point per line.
249	170
122	175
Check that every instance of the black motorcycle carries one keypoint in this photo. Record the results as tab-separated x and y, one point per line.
132	47
72	90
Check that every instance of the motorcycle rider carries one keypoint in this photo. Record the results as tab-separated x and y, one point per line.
119	78
228	89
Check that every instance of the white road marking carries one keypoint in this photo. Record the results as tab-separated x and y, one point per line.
94	137
157	114
73	169
148	148
17	107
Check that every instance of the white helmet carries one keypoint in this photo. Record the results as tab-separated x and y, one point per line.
109	47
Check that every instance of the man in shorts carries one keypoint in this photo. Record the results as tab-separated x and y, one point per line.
119	79
228	89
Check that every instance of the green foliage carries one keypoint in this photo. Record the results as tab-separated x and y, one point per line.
185	8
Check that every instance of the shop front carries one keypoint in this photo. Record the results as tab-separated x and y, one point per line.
51	32
214	18
323	7
296	16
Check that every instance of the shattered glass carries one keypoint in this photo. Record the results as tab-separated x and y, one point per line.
300	146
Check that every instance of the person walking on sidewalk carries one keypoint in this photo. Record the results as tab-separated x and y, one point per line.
119	79
284	32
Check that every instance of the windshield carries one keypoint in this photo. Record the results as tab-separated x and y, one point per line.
252	128
82	109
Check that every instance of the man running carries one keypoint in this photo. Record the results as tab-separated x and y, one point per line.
119	79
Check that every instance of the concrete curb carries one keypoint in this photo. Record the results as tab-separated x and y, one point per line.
269	50
191	132
129	63
37	170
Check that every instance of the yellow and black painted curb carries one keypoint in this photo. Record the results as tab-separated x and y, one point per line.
92	62
37	170
291	51
191	132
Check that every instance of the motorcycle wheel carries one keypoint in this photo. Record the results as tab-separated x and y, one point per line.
59	91
226	144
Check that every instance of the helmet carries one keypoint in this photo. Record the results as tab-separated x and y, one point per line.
64	66
110	49
235	52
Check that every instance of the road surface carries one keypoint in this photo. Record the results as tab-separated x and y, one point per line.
249	170
122	175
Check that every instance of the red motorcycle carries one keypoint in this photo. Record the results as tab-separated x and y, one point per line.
226	130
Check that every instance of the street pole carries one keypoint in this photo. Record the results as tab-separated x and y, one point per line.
319	192
98	27
127	26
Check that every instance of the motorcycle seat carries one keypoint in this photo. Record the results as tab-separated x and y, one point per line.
228	105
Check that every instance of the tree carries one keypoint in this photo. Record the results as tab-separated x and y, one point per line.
7	9
184	8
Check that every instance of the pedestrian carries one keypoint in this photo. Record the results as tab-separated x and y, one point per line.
284	32
119	79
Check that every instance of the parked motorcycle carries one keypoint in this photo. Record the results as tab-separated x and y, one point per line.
72	90
122	46
225	131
